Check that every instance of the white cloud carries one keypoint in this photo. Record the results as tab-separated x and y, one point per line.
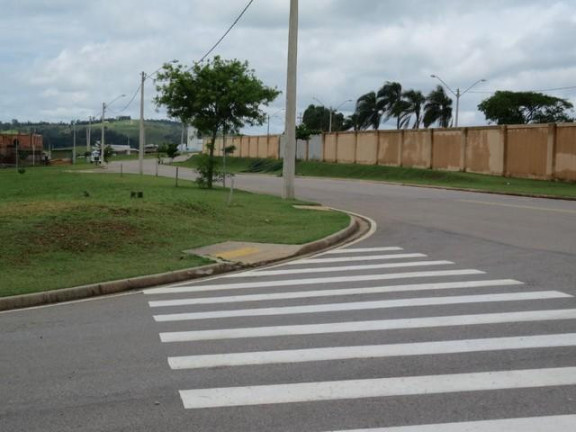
61	59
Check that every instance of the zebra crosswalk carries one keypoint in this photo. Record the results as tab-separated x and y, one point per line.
358	345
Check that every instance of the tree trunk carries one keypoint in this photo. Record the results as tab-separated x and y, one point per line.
210	171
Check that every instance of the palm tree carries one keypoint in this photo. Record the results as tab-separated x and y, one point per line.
438	108
414	102
369	111
390	99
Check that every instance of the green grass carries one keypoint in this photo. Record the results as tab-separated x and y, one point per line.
411	176
60	228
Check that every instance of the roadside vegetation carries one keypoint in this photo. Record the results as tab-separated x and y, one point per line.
61	228
409	176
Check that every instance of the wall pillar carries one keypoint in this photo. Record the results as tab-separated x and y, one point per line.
430	140
355	146
504	140
463	149
401	148
551	151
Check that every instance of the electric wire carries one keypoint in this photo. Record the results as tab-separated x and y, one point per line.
131	100
226	33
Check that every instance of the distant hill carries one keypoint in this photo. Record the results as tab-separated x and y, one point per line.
124	132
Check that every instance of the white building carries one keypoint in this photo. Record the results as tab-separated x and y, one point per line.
193	142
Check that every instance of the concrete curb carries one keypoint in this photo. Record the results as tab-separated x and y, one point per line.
114	287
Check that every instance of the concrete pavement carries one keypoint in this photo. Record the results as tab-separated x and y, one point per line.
457	314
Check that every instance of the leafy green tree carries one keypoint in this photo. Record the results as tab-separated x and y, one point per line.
218	96
172	151
318	118
507	107
108	153
438	108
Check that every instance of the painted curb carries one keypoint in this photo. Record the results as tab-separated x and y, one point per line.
114	287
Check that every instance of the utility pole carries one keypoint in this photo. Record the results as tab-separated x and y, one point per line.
74	144
142	133
103	138
291	82
89	135
458	94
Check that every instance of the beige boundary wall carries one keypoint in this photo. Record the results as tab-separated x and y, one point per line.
528	151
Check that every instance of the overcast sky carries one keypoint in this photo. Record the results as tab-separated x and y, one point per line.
60	59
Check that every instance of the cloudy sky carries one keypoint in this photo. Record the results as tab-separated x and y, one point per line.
60	59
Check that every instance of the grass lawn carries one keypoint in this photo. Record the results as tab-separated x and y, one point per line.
60	228
410	176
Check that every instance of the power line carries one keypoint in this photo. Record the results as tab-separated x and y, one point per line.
201	59
226	33
131	100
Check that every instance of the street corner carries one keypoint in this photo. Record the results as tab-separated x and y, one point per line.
246	252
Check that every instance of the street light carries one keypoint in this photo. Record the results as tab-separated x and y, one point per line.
458	93
332	110
144	76
103	138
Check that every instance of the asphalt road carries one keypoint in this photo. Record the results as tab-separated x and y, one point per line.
458	312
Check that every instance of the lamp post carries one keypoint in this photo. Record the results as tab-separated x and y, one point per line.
142	141
332	110
457	93
103	138
289	166
74	142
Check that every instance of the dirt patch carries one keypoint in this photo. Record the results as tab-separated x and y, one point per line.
93	236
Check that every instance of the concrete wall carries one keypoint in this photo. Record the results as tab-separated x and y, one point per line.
346	147
417	149
485	150
315	148
565	153
330	148
390	148
448	148
302	150
367	148
528	151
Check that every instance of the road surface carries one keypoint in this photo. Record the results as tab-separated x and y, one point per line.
457	314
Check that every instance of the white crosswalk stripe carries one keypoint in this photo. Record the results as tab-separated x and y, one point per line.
260	273
372	351
333	293
435	310
353	259
377	387
366	326
383	304
564	423
361	250
310	281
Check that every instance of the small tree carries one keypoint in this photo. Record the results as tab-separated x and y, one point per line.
108	153
318	118
172	151
219	96
507	107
